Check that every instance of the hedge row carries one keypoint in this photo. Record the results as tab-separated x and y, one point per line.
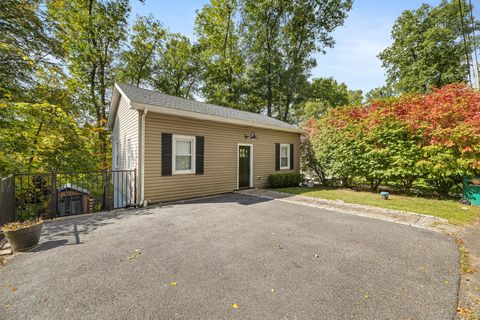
433	139
282	180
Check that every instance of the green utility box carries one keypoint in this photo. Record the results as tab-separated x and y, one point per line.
471	190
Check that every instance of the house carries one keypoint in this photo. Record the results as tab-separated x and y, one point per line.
182	148
73	199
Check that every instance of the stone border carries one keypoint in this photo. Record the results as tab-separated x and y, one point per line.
403	217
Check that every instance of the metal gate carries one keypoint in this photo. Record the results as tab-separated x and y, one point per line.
57	194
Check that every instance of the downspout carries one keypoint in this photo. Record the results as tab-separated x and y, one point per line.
143	202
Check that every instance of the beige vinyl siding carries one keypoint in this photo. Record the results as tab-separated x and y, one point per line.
220	161
125	127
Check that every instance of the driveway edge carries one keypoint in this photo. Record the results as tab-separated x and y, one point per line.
417	220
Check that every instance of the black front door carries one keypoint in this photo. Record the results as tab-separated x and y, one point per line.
244	167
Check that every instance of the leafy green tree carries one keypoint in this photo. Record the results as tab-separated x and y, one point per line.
441	166
338	151
428	49
25	46
379	93
307	29
217	34
280	38
325	94
42	137
137	62
91	34
177	70
261	27
355	97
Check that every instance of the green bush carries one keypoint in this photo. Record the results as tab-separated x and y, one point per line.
281	180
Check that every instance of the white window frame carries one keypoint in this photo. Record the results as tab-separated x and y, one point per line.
128	153
116	155
287	167
192	139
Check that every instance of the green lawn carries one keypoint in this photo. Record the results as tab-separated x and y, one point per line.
454	212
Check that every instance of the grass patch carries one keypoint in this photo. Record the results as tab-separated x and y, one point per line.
451	210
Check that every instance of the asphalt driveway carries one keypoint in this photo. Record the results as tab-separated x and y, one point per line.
274	260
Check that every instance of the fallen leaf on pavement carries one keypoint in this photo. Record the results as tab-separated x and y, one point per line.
173	284
135	254
235	306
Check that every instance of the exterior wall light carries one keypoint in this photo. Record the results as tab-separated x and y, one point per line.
251	136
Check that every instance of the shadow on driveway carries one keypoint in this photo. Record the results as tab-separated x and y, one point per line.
275	260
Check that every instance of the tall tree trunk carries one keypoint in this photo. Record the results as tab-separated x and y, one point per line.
35	143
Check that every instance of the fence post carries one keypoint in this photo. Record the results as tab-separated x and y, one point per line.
135	185
7	200
107	182
104	191
54	196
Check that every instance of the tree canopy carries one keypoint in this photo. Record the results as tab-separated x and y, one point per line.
430	47
325	94
59	60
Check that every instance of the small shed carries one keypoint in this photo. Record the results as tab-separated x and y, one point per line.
73	199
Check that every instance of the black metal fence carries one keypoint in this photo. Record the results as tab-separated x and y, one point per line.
7	200
57	194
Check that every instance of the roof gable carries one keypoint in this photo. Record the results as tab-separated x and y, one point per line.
158	102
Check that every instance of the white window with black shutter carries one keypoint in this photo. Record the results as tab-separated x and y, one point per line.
182	154
183	151
284	156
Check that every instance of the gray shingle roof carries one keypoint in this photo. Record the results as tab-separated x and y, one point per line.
71	186
150	97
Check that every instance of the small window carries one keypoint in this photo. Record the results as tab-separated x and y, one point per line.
129	154
183	154
284	156
116	155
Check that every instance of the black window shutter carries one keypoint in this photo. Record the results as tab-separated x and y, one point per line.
291	157
199	154
166	154
277	156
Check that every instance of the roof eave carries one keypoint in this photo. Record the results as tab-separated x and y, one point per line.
203	116
116	95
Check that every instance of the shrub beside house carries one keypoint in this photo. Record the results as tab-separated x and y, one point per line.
426	141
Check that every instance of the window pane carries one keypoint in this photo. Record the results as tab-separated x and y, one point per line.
183	163
183	147
283	162
284	152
